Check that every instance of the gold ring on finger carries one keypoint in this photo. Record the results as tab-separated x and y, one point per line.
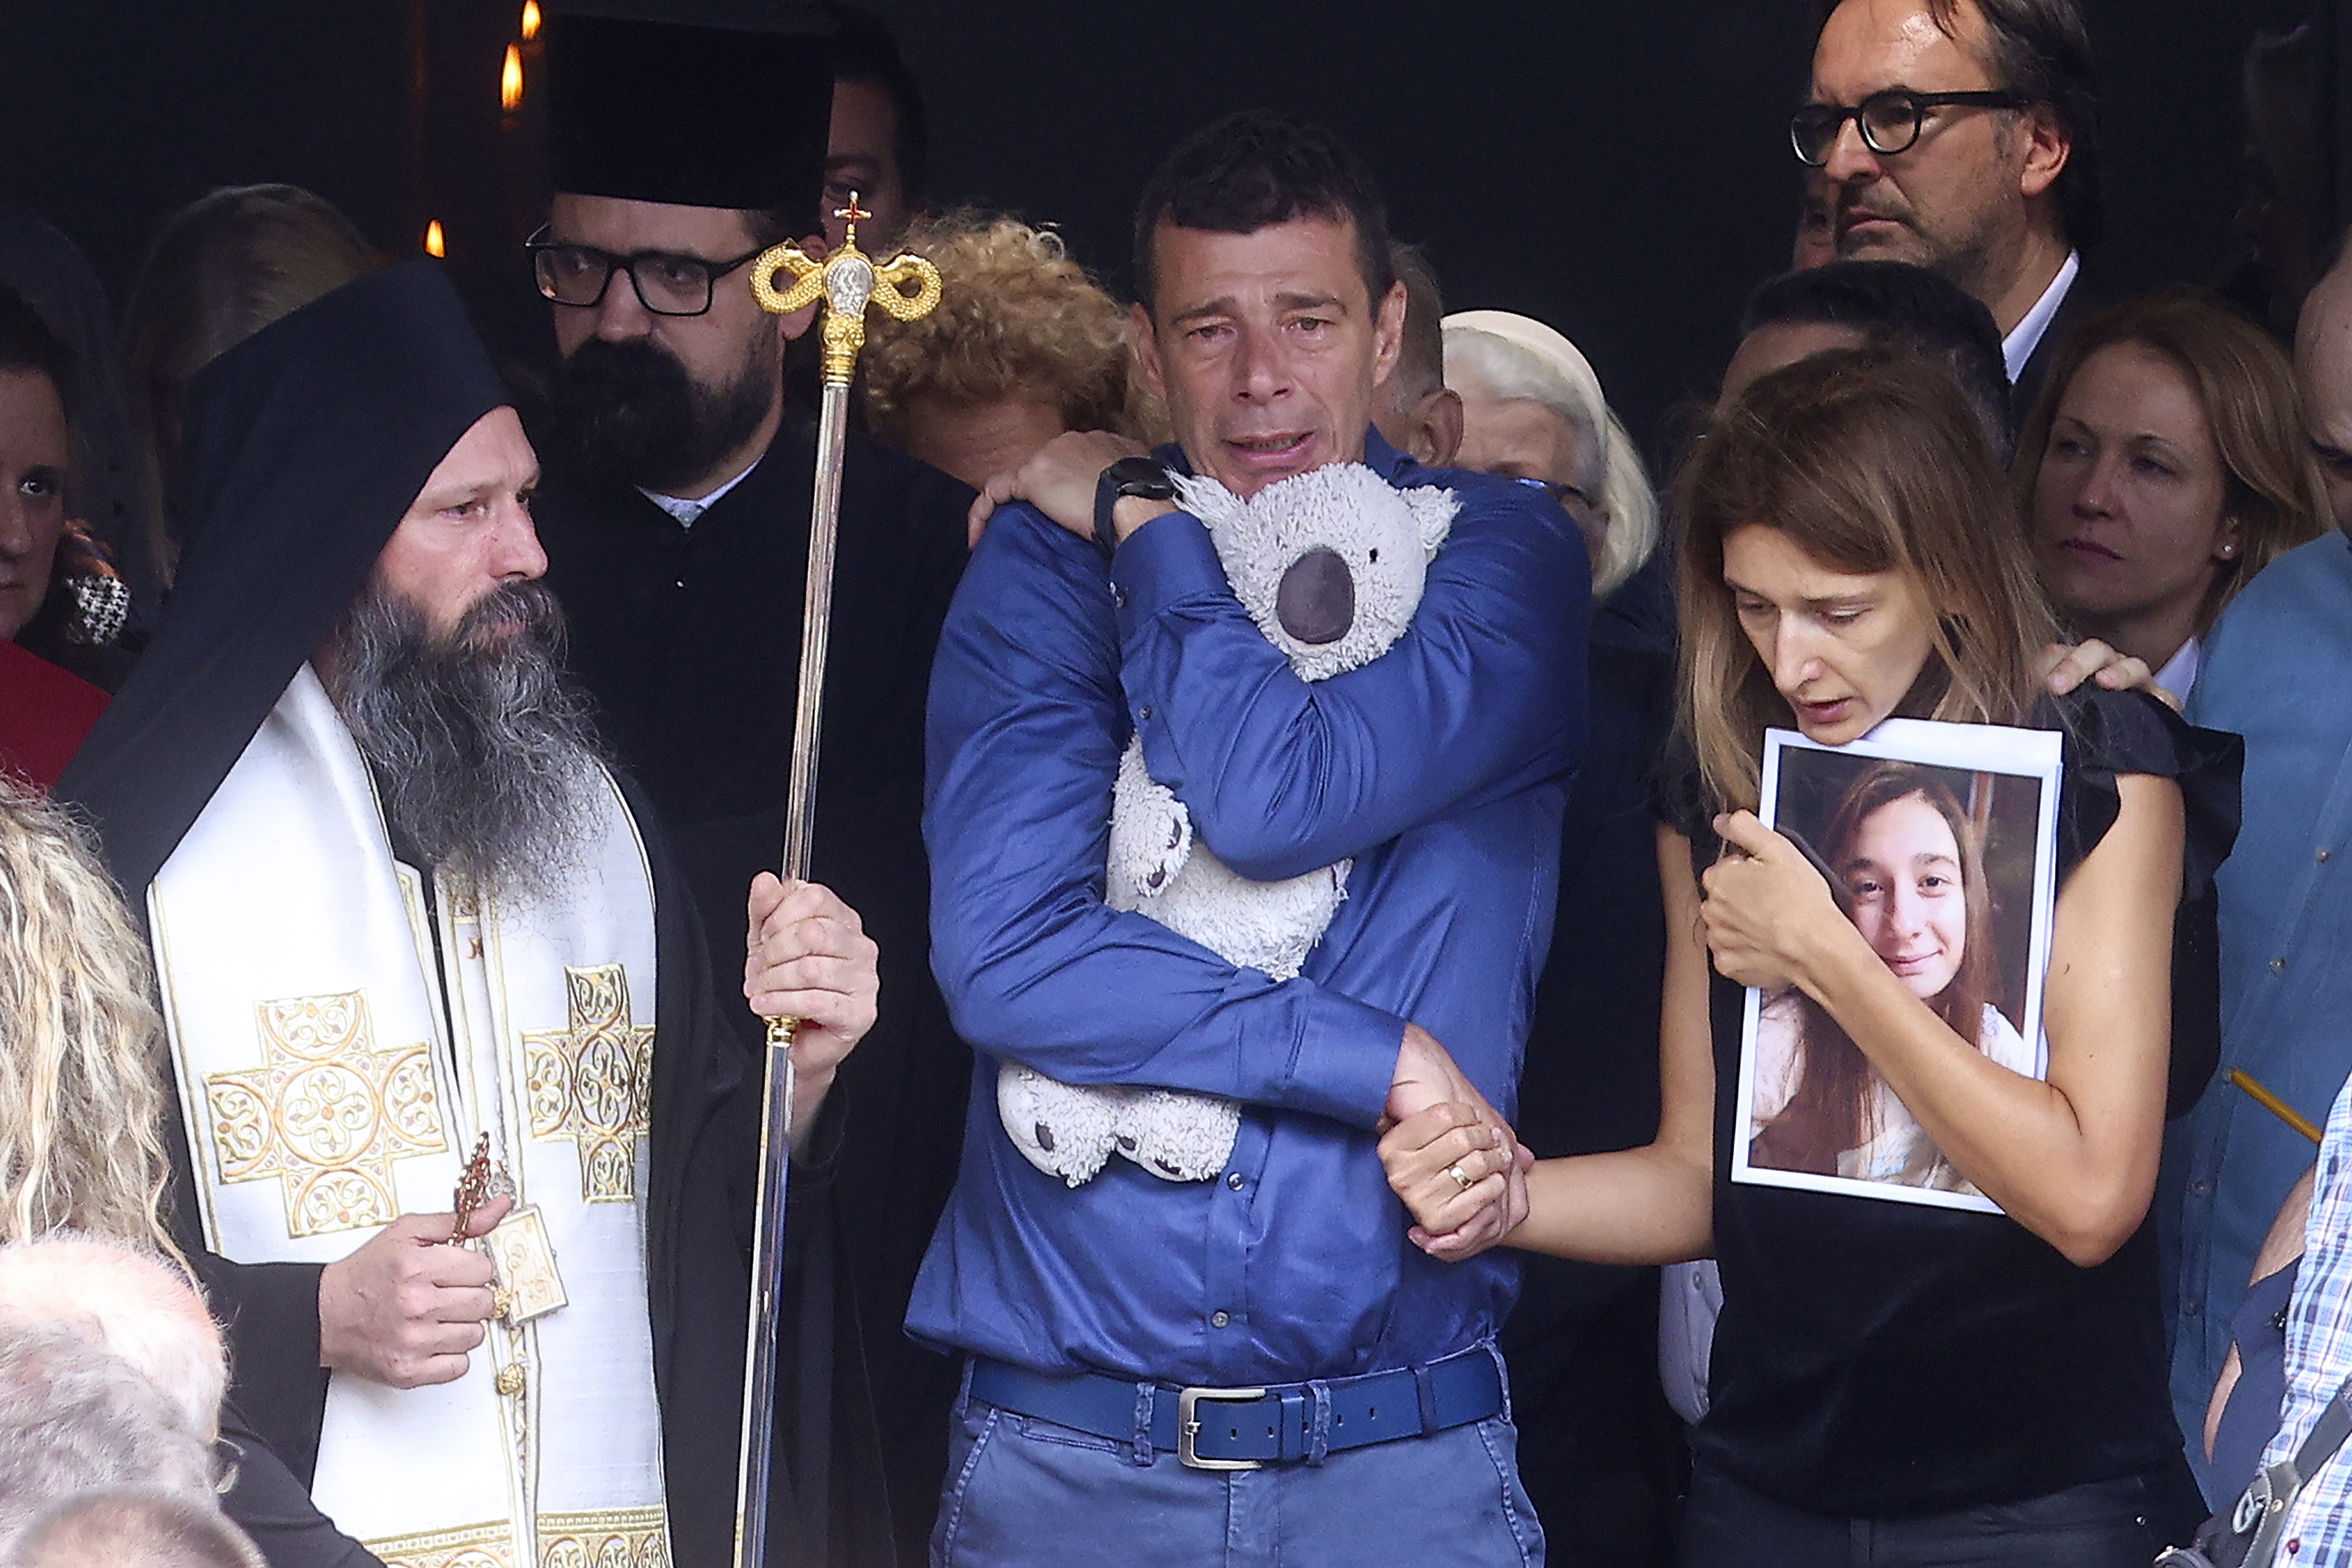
1462	1178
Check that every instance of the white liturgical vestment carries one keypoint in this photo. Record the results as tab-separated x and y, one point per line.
344	1028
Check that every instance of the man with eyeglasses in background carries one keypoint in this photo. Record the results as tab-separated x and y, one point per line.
1959	135
674	509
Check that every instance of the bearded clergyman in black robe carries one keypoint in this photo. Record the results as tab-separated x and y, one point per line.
675	511
406	920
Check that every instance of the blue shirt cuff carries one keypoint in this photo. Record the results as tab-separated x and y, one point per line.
1163	563
1344	1061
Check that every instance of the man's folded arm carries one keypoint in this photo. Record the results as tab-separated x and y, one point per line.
1483	695
1024	744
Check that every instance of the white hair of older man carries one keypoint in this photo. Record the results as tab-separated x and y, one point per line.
1499	354
112	1526
134	1303
74	1416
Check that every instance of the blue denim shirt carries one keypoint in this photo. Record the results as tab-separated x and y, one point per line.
2278	670
1440	767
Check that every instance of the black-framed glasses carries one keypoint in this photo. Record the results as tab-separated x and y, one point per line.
667	284
1890	120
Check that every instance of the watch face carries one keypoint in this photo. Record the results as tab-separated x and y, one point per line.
1141	477
1138	476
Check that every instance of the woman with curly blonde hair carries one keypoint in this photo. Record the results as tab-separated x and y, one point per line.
81	1104
1022	347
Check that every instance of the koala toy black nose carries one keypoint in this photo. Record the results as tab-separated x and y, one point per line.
1316	601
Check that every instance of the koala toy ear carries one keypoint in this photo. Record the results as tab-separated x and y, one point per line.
1432	512
1215	506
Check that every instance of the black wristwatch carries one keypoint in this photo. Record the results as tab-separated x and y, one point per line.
1139	477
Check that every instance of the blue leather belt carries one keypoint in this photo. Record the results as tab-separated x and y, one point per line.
1246	1428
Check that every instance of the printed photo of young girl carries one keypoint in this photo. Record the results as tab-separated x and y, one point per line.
1937	870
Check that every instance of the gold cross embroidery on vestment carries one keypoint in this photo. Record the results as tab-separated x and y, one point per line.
589	1082
326	1112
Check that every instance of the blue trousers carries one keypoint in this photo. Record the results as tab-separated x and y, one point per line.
1026	1493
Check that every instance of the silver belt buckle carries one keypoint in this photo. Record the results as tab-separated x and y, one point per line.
1188	1427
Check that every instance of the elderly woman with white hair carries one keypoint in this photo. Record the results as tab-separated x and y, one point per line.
1533	409
1594	1445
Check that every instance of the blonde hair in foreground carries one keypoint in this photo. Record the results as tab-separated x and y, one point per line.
82	1101
1868	462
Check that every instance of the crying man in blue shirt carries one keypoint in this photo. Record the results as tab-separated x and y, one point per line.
1259	1367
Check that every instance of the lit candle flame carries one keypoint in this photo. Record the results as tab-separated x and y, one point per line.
510	81
530	20
434	244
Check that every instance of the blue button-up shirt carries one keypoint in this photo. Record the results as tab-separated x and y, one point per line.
2277	670
1440	767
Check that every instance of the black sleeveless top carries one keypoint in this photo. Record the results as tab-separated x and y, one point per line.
1879	1358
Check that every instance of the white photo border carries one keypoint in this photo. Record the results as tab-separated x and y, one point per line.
1977	748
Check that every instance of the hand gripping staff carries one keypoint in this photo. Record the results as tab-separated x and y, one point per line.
848	281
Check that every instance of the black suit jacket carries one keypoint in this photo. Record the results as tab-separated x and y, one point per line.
2083	299
689	639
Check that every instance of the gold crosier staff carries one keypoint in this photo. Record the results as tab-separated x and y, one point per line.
848	281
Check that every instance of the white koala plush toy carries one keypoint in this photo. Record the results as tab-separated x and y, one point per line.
1329	564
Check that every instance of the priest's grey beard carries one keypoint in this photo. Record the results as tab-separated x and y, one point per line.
483	752
632	412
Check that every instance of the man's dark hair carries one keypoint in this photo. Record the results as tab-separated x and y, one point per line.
1421	366
864	50
1900	308
1256	168
2041	51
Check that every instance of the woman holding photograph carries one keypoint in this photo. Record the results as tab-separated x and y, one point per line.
1962	1385
1908	867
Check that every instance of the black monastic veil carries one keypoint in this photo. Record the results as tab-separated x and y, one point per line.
306	444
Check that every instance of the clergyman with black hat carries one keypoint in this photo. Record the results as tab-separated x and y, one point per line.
676	509
413	941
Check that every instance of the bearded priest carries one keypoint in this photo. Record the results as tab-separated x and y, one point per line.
402	911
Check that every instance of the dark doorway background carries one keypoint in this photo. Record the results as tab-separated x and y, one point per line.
1618	169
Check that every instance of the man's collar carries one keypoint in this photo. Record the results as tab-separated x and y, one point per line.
1379	456
2026	336
686	512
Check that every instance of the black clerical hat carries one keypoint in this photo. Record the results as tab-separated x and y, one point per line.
699	102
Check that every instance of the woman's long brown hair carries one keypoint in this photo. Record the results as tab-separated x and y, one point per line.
1868	462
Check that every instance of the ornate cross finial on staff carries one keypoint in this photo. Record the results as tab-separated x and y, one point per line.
847	279
848	282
